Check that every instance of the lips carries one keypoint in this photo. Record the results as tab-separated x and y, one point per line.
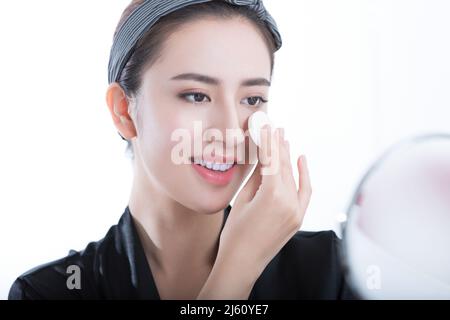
220	177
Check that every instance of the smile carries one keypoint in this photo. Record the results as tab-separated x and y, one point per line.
215	173
214	166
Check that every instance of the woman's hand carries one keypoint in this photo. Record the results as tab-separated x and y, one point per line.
267	212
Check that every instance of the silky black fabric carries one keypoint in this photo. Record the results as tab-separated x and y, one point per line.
115	267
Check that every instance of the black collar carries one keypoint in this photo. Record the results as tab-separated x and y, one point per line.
141	278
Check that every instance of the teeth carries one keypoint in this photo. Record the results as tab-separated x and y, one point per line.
213	166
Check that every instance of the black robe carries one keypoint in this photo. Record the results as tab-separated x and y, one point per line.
115	267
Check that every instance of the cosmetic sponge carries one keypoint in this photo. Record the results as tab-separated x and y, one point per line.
255	123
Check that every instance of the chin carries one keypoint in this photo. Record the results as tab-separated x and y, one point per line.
212	207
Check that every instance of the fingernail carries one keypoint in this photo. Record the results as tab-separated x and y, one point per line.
267	128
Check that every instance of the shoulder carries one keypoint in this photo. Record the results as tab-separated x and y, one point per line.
75	276
319	247
312	254
307	267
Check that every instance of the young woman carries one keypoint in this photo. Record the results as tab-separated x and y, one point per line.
174	64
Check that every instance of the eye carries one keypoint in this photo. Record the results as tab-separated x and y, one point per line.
253	101
194	97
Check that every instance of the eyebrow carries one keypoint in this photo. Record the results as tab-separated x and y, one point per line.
213	81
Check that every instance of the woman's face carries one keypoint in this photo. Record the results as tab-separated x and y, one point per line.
227	54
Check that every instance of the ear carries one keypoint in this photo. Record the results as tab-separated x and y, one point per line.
117	102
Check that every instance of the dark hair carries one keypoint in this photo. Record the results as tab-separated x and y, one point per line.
149	47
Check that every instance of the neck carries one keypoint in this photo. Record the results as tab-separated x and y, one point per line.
173	236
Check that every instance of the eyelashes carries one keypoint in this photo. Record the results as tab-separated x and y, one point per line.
193	97
199	98
259	98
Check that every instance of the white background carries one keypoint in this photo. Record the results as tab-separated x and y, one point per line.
352	78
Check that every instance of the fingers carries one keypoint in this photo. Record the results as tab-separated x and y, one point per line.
268	155
304	190
267	170
285	160
276	168
252	185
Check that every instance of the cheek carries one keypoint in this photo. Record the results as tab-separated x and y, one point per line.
157	146
160	139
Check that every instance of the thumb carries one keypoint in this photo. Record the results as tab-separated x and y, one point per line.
251	186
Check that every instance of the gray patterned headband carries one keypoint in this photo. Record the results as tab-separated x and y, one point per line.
149	12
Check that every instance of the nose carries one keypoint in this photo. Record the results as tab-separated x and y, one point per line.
229	118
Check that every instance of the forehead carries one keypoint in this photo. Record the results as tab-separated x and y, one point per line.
229	47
